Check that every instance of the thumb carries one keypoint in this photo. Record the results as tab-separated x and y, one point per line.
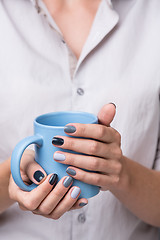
35	172
106	114
31	169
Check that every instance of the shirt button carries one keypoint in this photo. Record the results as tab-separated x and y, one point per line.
80	91
81	218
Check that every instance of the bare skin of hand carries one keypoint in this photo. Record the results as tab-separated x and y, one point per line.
49	199
136	186
53	200
103	155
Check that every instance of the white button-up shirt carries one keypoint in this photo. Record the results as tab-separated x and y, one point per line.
120	63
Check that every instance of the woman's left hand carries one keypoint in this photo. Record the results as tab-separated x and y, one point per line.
103	154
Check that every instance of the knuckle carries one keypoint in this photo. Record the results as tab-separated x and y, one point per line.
82	130
118	137
70	143
55	216
58	193
44	210
35	213
118	153
30	205
115	180
94	165
118	168
82	176
98	180
22	207
101	132
71	159
93	148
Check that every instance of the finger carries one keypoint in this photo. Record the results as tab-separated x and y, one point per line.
106	114
93	178
49	203
31	200
30	170
95	131
88	146
88	162
67	202
35	172
79	204
22	207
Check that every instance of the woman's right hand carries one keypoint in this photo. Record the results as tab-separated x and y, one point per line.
48	199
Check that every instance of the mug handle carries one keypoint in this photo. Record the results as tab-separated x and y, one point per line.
16	160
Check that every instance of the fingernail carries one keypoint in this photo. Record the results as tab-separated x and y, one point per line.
53	178
82	204
75	192
113	104
57	141
69	129
38	176
59	157
71	171
67	181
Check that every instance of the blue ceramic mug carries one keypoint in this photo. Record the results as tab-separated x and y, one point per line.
45	128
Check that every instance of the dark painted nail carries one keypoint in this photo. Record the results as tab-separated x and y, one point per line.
82	204
53	178
38	176
67	181
71	171
57	141
113	104
69	129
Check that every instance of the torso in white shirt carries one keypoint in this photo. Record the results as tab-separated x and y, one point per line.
38	74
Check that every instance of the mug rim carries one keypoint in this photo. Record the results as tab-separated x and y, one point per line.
92	116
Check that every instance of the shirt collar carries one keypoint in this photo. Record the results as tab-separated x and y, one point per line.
36	5
105	20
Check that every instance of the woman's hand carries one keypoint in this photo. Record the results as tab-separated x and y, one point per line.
104	156
48	199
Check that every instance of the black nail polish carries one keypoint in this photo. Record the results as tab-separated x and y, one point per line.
53	178
113	104
57	141
71	171
82	204
69	129
38	176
